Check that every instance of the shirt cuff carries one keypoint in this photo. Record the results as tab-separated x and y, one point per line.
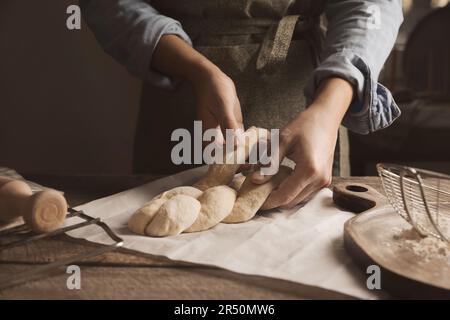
164	25
373	107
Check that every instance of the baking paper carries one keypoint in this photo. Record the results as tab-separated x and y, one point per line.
302	245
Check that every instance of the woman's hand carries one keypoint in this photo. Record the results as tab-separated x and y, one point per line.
217	101
309	140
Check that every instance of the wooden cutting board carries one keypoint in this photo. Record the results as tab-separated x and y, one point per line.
379	236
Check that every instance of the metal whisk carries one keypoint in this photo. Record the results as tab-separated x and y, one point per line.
421	197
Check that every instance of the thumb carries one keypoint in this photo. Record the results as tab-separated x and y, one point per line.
278	152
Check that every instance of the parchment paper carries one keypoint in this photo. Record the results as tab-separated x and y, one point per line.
302	245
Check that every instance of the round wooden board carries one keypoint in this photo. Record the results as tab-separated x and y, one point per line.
372	238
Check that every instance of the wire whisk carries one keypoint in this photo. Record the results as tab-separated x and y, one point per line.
421	197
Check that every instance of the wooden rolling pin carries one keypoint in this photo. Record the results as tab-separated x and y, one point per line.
43	211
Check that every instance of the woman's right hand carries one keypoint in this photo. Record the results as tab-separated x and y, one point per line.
217	101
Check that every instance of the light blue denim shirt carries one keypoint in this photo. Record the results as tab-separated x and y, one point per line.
360	35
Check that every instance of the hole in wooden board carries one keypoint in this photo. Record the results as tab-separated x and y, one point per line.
356	188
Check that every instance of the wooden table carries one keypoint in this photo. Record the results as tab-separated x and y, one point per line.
128	275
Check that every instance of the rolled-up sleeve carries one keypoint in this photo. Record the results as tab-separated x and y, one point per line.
129	31
359	38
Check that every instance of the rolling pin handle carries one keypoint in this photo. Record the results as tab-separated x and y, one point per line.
46	211
14	195
43	211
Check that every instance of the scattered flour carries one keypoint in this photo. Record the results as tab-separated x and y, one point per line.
428	248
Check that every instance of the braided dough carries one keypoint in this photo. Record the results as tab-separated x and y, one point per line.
218	197
143	216
223	174
184	190
174	216
237	182
252	196
217	203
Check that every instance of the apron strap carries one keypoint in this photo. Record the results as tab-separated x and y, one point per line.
277	35
275	46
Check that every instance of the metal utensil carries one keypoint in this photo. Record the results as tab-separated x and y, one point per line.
421	197
26	236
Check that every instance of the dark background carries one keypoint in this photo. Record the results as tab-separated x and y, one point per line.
67	108
65	105
418	74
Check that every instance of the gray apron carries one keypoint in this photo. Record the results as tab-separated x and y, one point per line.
269	48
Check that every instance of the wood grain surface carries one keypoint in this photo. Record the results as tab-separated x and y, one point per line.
379	236
128	275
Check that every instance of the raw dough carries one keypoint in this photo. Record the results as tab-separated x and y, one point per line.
222	174
217	203
251	197
185	190
237	182
211	200
174	216
142	217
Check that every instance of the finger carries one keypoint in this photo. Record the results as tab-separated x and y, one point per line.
209	122
207	118
288	190
245	168
319	181
227	118
277	154
231	126
239	139
217	138
238	114
303	196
